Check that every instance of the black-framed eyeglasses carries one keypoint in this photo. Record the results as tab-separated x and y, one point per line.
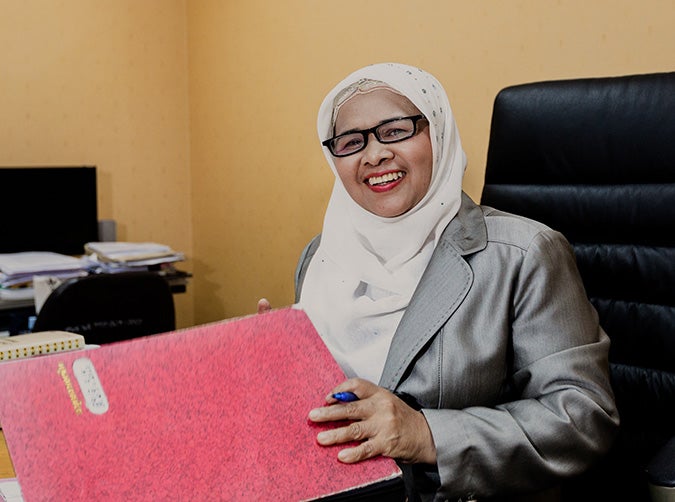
389	131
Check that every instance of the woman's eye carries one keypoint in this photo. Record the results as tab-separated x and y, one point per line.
349	143
353	143
394	132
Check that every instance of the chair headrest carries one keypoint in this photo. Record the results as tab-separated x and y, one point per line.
567	131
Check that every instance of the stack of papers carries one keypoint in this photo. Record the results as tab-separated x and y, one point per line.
122	256
17	270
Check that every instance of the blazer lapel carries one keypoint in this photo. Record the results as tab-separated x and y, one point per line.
442	288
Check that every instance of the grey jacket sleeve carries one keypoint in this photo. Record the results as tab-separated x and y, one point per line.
562	414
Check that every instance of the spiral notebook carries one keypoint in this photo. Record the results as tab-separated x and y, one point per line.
35	344
216	412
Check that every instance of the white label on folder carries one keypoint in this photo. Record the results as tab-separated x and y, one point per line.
92	390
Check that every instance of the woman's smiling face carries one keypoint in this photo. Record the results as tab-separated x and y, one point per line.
386	179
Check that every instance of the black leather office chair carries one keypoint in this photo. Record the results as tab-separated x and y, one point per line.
595	159
110	307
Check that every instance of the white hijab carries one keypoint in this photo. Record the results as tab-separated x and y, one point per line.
367	267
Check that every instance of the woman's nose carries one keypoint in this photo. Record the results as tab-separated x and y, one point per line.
375	152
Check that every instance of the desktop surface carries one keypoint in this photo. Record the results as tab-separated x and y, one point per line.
6	467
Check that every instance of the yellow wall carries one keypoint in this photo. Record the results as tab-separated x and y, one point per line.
259	70
201	113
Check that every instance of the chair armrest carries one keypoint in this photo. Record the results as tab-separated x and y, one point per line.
661	474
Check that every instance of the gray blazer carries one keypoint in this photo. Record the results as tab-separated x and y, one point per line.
503	352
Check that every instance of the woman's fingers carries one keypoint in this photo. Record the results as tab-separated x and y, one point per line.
358	453
353	432
337	412
264	306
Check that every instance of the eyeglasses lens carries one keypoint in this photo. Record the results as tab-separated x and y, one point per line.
348	144
397	130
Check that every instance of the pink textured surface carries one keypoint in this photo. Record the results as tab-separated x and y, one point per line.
217	412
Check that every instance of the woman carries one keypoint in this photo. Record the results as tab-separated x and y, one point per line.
478	362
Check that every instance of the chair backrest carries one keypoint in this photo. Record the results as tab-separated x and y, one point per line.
110	307
595	159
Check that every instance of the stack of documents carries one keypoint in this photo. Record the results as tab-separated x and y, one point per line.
17	270
124	256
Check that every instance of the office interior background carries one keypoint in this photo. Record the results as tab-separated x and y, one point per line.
200	114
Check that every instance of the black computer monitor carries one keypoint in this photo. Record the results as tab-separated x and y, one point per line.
48	209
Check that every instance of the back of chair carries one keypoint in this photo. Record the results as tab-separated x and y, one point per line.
595	159
110	307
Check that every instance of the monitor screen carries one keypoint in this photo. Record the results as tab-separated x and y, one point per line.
48	209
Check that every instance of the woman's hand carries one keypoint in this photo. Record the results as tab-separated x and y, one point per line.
381	422
264	306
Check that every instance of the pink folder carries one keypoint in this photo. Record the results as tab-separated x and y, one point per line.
215	412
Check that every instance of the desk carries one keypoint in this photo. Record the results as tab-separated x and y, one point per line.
6	467
9	486
15	304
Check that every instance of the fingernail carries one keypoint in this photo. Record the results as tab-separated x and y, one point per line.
314	414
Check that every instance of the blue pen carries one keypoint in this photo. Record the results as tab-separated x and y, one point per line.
345	397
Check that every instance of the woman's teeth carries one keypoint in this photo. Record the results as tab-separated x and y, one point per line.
385	178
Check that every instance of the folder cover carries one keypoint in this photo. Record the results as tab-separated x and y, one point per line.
215	412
